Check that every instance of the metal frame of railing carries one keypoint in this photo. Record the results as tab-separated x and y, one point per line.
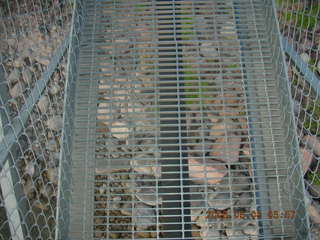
9	138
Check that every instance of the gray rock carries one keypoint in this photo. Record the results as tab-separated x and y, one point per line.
14	76
201	149
209	233
43	104
146	164
115	203
55	123
43	60
251	228
240	182
28	187
16	90
12	41
306	159
30	168
305	57
221	201
52	145
244	200
53	175
211	195
47	190
208	49
126	209
27	76
27	52
54	89
148	196
313	143
201	221
146	190
55	159
314	213
235	234
120	130
105	113
143	216
237	183
229	29
17	63
198	204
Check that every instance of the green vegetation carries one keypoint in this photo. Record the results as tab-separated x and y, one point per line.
314	178
194	90
187	27
304	18
299	14
310	106
140	7
312	119
279	3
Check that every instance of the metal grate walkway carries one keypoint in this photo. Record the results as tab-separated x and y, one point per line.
183	125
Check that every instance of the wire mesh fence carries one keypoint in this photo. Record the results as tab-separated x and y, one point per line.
34	42
300	26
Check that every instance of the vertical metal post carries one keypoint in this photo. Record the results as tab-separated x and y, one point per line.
8	177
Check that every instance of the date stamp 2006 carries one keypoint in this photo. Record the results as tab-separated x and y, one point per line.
272	214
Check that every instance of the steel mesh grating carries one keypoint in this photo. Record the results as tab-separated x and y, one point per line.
183	124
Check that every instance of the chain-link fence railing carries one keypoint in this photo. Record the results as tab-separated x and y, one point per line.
33	67
33	43
300	27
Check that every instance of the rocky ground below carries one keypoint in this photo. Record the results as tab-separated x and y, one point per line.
126	201
26	49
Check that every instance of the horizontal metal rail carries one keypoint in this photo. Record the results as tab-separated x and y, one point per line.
311	78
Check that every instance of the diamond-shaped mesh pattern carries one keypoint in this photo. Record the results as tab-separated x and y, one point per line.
32	81
299	24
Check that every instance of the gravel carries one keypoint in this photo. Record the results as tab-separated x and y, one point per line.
39	144
14	76
54	89
27	76
43	104
120	130
208	49
55	123
16	90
